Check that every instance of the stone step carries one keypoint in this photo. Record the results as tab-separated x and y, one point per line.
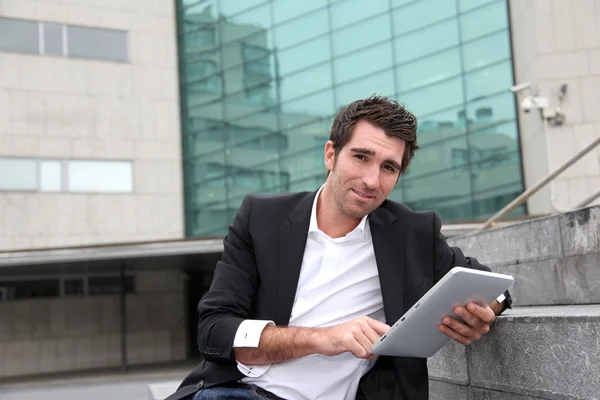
545	352
555	260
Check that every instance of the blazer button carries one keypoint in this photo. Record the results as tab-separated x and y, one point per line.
218	352
199	385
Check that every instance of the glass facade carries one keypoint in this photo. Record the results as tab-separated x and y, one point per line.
261	82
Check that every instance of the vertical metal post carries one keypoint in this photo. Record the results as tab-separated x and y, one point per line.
123	318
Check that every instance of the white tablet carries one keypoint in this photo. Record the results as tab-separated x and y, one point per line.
416	334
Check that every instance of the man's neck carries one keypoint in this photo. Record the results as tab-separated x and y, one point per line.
329	219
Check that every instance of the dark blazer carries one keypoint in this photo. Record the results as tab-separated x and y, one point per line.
258	276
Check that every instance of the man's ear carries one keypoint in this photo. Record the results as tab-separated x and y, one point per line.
329	155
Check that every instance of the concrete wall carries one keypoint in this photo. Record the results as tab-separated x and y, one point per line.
66	108
78	333
557	42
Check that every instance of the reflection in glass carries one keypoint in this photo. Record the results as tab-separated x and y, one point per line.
100	176
262	81
371	60
427	41
483	21
429	70
411	17
362	35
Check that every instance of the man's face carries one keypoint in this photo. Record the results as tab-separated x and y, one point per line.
365	170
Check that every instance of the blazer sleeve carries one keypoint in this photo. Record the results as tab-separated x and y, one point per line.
448	257
232	292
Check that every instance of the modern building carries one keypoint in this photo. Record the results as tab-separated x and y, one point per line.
130	131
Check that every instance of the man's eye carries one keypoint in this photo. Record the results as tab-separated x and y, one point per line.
361	157
390	168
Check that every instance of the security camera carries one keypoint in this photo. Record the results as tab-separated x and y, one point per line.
534	103
520	87
527	104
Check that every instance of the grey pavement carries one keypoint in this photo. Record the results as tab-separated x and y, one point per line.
95	386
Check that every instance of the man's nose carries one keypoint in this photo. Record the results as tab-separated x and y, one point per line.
371	179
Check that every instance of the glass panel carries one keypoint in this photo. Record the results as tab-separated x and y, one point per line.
489	81
483	21
320	104
199	36
100	176
429	70
312	25
50	176
361	35
100	44
19	36
382	84
427	41
195	8
202	77
245	23
445	124
31	289
18	174
229	8
486	51
53	39
305	82
73	287
466	5
303	56
411	17
107	285
347	12
495	109
361	64
434	98
288	9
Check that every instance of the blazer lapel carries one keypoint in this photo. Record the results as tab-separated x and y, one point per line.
292	242
388	245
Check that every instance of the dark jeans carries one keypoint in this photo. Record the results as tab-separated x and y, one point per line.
237	391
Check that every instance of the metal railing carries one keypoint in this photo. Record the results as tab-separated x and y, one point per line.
535	188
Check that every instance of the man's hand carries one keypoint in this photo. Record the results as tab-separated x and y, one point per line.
356	337
476	323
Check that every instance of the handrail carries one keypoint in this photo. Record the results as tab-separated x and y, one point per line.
535	188
589	199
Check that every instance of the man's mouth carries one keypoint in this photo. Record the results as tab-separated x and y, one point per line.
363	195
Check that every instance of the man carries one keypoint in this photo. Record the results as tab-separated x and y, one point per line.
308	281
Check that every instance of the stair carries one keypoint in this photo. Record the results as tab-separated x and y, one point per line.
548	346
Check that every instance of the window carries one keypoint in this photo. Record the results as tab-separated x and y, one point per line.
107	285
63	40
100	44
50	176
53	39
19	36
83	285
76	176
202	77
73	287
256	61
100	176
18	174
30	288
199	36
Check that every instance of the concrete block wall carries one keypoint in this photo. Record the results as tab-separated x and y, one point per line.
67	108
554	260
557	42
42	336
531	353
547	347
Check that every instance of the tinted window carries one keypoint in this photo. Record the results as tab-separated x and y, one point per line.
100	44
19	36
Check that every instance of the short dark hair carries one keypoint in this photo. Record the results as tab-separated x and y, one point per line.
384	113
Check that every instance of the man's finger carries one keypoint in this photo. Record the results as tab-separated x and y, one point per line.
469	318
365	343
371	334
486	314
454	335
378	326
462	329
